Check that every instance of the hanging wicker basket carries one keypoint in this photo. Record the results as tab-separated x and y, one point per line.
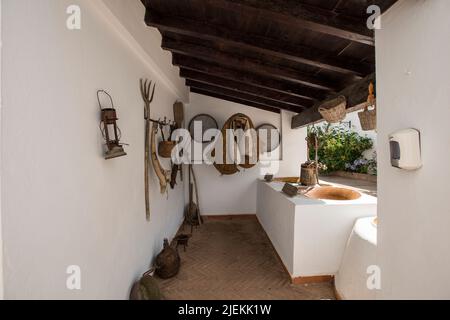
334	111
165	148
368	119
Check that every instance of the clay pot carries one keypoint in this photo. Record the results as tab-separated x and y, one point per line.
167	263
145	289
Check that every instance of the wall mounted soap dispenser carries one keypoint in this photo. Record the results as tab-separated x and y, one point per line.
406	149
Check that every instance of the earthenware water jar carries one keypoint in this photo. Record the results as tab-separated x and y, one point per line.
167	263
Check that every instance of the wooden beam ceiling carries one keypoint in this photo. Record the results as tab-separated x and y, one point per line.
270	54
247	64
297	15
195	64
243	96
300	54
235	100
246	88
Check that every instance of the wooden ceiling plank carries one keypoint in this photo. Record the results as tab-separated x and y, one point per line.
220	34
243	63
298	15
263	82
245	88
235	100
243	96
250	92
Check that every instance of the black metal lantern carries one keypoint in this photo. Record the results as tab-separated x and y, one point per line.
110	131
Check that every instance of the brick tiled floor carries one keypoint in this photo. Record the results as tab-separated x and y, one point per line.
234	260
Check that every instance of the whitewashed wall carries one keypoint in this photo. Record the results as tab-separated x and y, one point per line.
413	51
236	194
63	204
1	171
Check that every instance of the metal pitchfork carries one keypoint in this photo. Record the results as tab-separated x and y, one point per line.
146	87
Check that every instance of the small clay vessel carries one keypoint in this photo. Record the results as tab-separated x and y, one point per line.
145	289
167	263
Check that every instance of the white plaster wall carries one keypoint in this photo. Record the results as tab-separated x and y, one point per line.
1	171
414	91
236	194
63	204
276	215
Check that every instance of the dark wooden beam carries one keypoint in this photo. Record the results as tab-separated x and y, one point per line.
243	96
297	15
190	63
356	95
220	34
243	63
245	88
235	100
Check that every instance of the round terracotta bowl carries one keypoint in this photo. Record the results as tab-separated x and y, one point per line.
333	193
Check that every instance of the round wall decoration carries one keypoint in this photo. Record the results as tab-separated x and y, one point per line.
205	122
269	137
247	146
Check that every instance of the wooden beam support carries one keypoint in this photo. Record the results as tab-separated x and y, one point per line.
297	15
259	44
356	95
243	96
245	88
243	63
235	100
189	63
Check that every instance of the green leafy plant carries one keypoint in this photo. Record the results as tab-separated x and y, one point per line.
338	147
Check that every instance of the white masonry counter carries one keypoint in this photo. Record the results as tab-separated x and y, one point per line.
309	235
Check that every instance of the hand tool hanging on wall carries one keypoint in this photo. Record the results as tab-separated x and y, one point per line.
175	167
173	176
148	99
178	114
163	175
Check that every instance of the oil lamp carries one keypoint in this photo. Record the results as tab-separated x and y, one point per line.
110	131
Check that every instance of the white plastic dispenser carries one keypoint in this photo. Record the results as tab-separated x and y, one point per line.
406	149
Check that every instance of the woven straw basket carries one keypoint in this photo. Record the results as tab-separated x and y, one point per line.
368	119
334	111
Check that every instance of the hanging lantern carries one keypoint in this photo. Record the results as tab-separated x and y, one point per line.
110	131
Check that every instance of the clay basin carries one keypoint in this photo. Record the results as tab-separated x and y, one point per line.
333	193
